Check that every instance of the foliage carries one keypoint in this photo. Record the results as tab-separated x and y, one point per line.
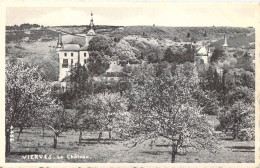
217	54
102	44
238	103
125	52
98	63
179	54
245	61
153	54
47	67
167	106
241	40
26	93
101	49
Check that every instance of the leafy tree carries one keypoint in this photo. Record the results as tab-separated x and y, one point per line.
205	34
169	55
98	63
26	93
167	106
154	54
217	54
238	102
110	112
48	68
126	52
245	61
79	81
188	35
101	49
177	55
103	44
56	118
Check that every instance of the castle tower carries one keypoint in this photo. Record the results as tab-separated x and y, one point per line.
225	45
91	33
59	43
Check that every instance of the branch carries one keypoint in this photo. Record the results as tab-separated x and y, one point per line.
51	128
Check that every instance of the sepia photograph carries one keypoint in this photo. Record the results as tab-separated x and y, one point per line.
152	83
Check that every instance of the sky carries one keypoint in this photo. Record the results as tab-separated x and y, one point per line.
173	14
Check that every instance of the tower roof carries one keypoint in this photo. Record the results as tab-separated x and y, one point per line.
225	41
91	31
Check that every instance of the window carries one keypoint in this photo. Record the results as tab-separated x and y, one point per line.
71	61
65	63
65	54
71	54
85	61
85	54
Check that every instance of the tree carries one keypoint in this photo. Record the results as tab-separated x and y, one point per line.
101	49
56	118
217	54
245	61
168	106
175	54
48	68
154	54
103	44
80	83
169	55
26	93
237	111
205	34
240	119
98	63
188	35
124	51
109	112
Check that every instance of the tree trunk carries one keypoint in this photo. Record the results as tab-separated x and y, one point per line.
80	136
109	135
55	140
174	152
99	136
7	141
235	132
20	131
43	131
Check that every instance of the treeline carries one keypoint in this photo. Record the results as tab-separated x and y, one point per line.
34	35
24	26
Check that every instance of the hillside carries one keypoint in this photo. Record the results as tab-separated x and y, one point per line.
237	36
180	33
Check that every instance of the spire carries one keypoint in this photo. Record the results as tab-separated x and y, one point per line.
91	21
225	41
91	32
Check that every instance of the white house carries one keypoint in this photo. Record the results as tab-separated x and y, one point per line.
73	52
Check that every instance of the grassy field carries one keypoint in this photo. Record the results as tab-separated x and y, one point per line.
32	143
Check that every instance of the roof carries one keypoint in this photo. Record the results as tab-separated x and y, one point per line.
69	47
69	38
202	51
115	67
91	32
